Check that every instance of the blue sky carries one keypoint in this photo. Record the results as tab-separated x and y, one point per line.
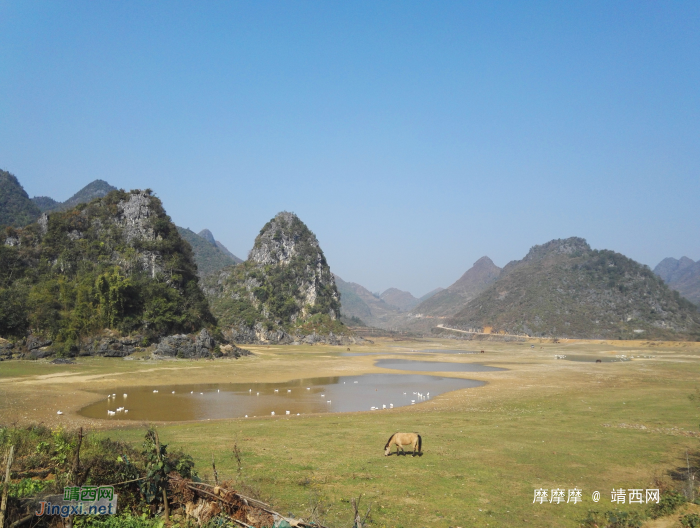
412	137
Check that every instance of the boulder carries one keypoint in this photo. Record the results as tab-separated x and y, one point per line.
34	342
202	345
110	346
6	349
40	353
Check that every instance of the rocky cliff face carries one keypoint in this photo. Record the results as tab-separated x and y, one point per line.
566	289
285	286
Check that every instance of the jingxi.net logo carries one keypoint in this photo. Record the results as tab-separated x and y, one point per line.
85	500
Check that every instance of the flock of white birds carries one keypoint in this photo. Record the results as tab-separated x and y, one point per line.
112	398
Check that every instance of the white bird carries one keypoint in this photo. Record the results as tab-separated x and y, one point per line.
218	390
110	413
289	390
59	412
257	394
250	390
191	392
371	408
126	410
155	391
125	394
173	392
246	416
297	414
308	388
286	412
323	395
273	413
114	395
383	406
413	401
276	390
328	401
201	393
391	406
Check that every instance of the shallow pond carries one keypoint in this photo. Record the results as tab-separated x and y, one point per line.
433	366
593	359
304	396
425	351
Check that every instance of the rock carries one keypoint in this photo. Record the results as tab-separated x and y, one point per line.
6	348
257	334
179	345
204	343
187	346
34	342
111	346
41	353
234	351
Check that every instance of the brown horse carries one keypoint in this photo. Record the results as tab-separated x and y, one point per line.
402	439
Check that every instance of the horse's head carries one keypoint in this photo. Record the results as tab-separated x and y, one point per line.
387	447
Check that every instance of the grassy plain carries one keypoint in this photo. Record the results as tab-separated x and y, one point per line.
544	423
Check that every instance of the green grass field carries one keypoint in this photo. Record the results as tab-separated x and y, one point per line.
543	424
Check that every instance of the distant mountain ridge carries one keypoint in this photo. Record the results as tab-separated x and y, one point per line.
207	235
451	300
566	289
358	301
209	256
94	189
682	275
400	299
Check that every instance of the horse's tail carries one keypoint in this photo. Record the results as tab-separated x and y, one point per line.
420	443
389	441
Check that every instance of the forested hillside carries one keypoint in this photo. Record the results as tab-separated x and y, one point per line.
566	289
285	287
117	263
16	209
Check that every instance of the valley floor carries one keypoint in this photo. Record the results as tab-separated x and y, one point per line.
544	423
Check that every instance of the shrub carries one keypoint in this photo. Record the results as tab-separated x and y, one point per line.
691	520
668	504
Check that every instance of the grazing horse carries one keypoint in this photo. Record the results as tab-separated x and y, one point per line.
402	439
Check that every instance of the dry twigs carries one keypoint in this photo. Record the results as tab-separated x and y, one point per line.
202	502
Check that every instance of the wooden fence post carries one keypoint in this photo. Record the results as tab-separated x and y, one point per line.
3	505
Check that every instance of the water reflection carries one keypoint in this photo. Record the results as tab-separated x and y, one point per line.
596	359
302	396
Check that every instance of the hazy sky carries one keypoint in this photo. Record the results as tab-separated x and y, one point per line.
411	137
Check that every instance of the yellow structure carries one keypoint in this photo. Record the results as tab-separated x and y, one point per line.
487	330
